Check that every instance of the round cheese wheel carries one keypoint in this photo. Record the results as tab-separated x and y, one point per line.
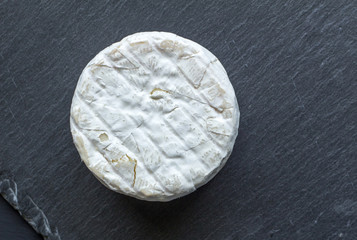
154	116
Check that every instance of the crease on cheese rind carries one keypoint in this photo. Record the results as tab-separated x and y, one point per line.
154	116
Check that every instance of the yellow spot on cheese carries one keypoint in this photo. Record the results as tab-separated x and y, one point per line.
158	89
136	163
103	137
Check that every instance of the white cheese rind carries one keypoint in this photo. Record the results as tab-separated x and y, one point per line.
154	116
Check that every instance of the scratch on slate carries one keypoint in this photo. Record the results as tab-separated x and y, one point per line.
299	96
12	114
303	107
213	232
318	147
348	175
13	117
317	219
13	81
3	98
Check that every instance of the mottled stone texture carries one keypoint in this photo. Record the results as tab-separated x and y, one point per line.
293	171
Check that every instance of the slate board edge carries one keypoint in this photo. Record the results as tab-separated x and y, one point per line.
27	208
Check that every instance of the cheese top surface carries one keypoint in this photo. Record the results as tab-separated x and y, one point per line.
154	116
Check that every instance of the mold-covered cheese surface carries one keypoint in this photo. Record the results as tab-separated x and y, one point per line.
154	116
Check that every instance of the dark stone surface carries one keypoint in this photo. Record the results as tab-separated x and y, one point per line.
293	171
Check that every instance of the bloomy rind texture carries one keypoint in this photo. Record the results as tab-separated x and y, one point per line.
154	116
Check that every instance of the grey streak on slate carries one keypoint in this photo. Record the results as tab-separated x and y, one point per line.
293	171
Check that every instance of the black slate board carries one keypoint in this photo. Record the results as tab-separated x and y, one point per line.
293	171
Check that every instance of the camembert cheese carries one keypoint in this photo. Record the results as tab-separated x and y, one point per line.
154	116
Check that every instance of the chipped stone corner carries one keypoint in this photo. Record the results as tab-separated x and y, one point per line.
27	209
